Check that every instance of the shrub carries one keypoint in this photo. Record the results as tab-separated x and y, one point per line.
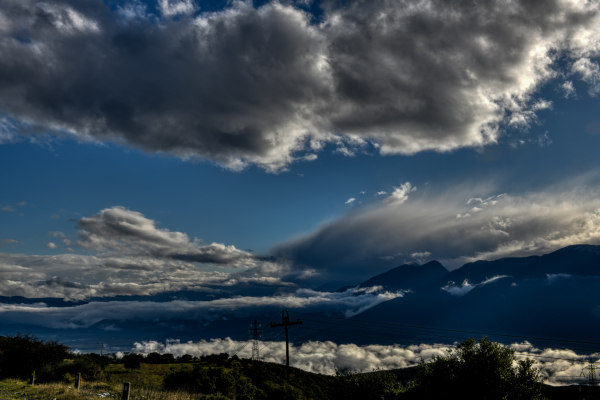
22	354
477	370
157	358
377	385
133	361
209	381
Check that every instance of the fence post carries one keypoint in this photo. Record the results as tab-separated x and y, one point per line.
33	378
77	381
126	391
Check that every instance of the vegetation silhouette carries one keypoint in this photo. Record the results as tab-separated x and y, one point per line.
479	370
473	370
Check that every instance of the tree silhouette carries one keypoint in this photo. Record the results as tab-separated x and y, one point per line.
479	370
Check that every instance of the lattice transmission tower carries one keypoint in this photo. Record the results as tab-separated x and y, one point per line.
255	335
591	373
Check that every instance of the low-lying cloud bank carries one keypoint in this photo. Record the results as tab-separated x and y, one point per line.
562	368
271	85
456	226
348	303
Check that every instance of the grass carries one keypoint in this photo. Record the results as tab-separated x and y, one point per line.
145	385
19	390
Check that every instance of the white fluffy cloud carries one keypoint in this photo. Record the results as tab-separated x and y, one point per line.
326	357
268	85
400	194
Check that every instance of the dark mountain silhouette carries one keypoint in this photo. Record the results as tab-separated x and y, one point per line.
580	260
407	276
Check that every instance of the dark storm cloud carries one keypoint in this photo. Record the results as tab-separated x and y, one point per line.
450	227
246	85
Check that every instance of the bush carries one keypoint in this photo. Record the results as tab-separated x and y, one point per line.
377	385
133	361
210	381
216	359
22	354
90	366
479	370
157	358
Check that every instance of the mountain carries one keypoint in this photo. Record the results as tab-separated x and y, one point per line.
407	276
579	260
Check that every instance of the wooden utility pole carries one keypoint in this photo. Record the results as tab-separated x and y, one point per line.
286	324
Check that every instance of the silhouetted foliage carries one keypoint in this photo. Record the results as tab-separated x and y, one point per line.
479	370
22	354
157	358
132	361
90	366
210	381
377	385
186	358
216	359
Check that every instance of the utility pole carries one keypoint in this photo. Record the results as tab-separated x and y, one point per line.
286	324
592	381
255	335
101	348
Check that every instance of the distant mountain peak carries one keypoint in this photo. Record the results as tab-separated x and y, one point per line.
407	276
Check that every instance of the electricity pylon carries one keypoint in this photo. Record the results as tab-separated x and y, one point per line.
255	335
591	374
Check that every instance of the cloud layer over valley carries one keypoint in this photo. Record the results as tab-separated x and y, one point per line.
560	367
272	85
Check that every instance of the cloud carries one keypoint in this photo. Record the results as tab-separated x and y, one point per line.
350	201
327	357
381	193
467	286
507	225
7	208
130	232
589	72
348	303
131	256
400	194
9	242
265	85
176	7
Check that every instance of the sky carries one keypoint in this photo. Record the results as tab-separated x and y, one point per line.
151	147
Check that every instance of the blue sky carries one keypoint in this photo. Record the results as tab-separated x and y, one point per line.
253	125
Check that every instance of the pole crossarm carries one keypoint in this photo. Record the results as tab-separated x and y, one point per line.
286	324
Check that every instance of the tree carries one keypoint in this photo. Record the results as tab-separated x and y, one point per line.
22	354
133	361
479	370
